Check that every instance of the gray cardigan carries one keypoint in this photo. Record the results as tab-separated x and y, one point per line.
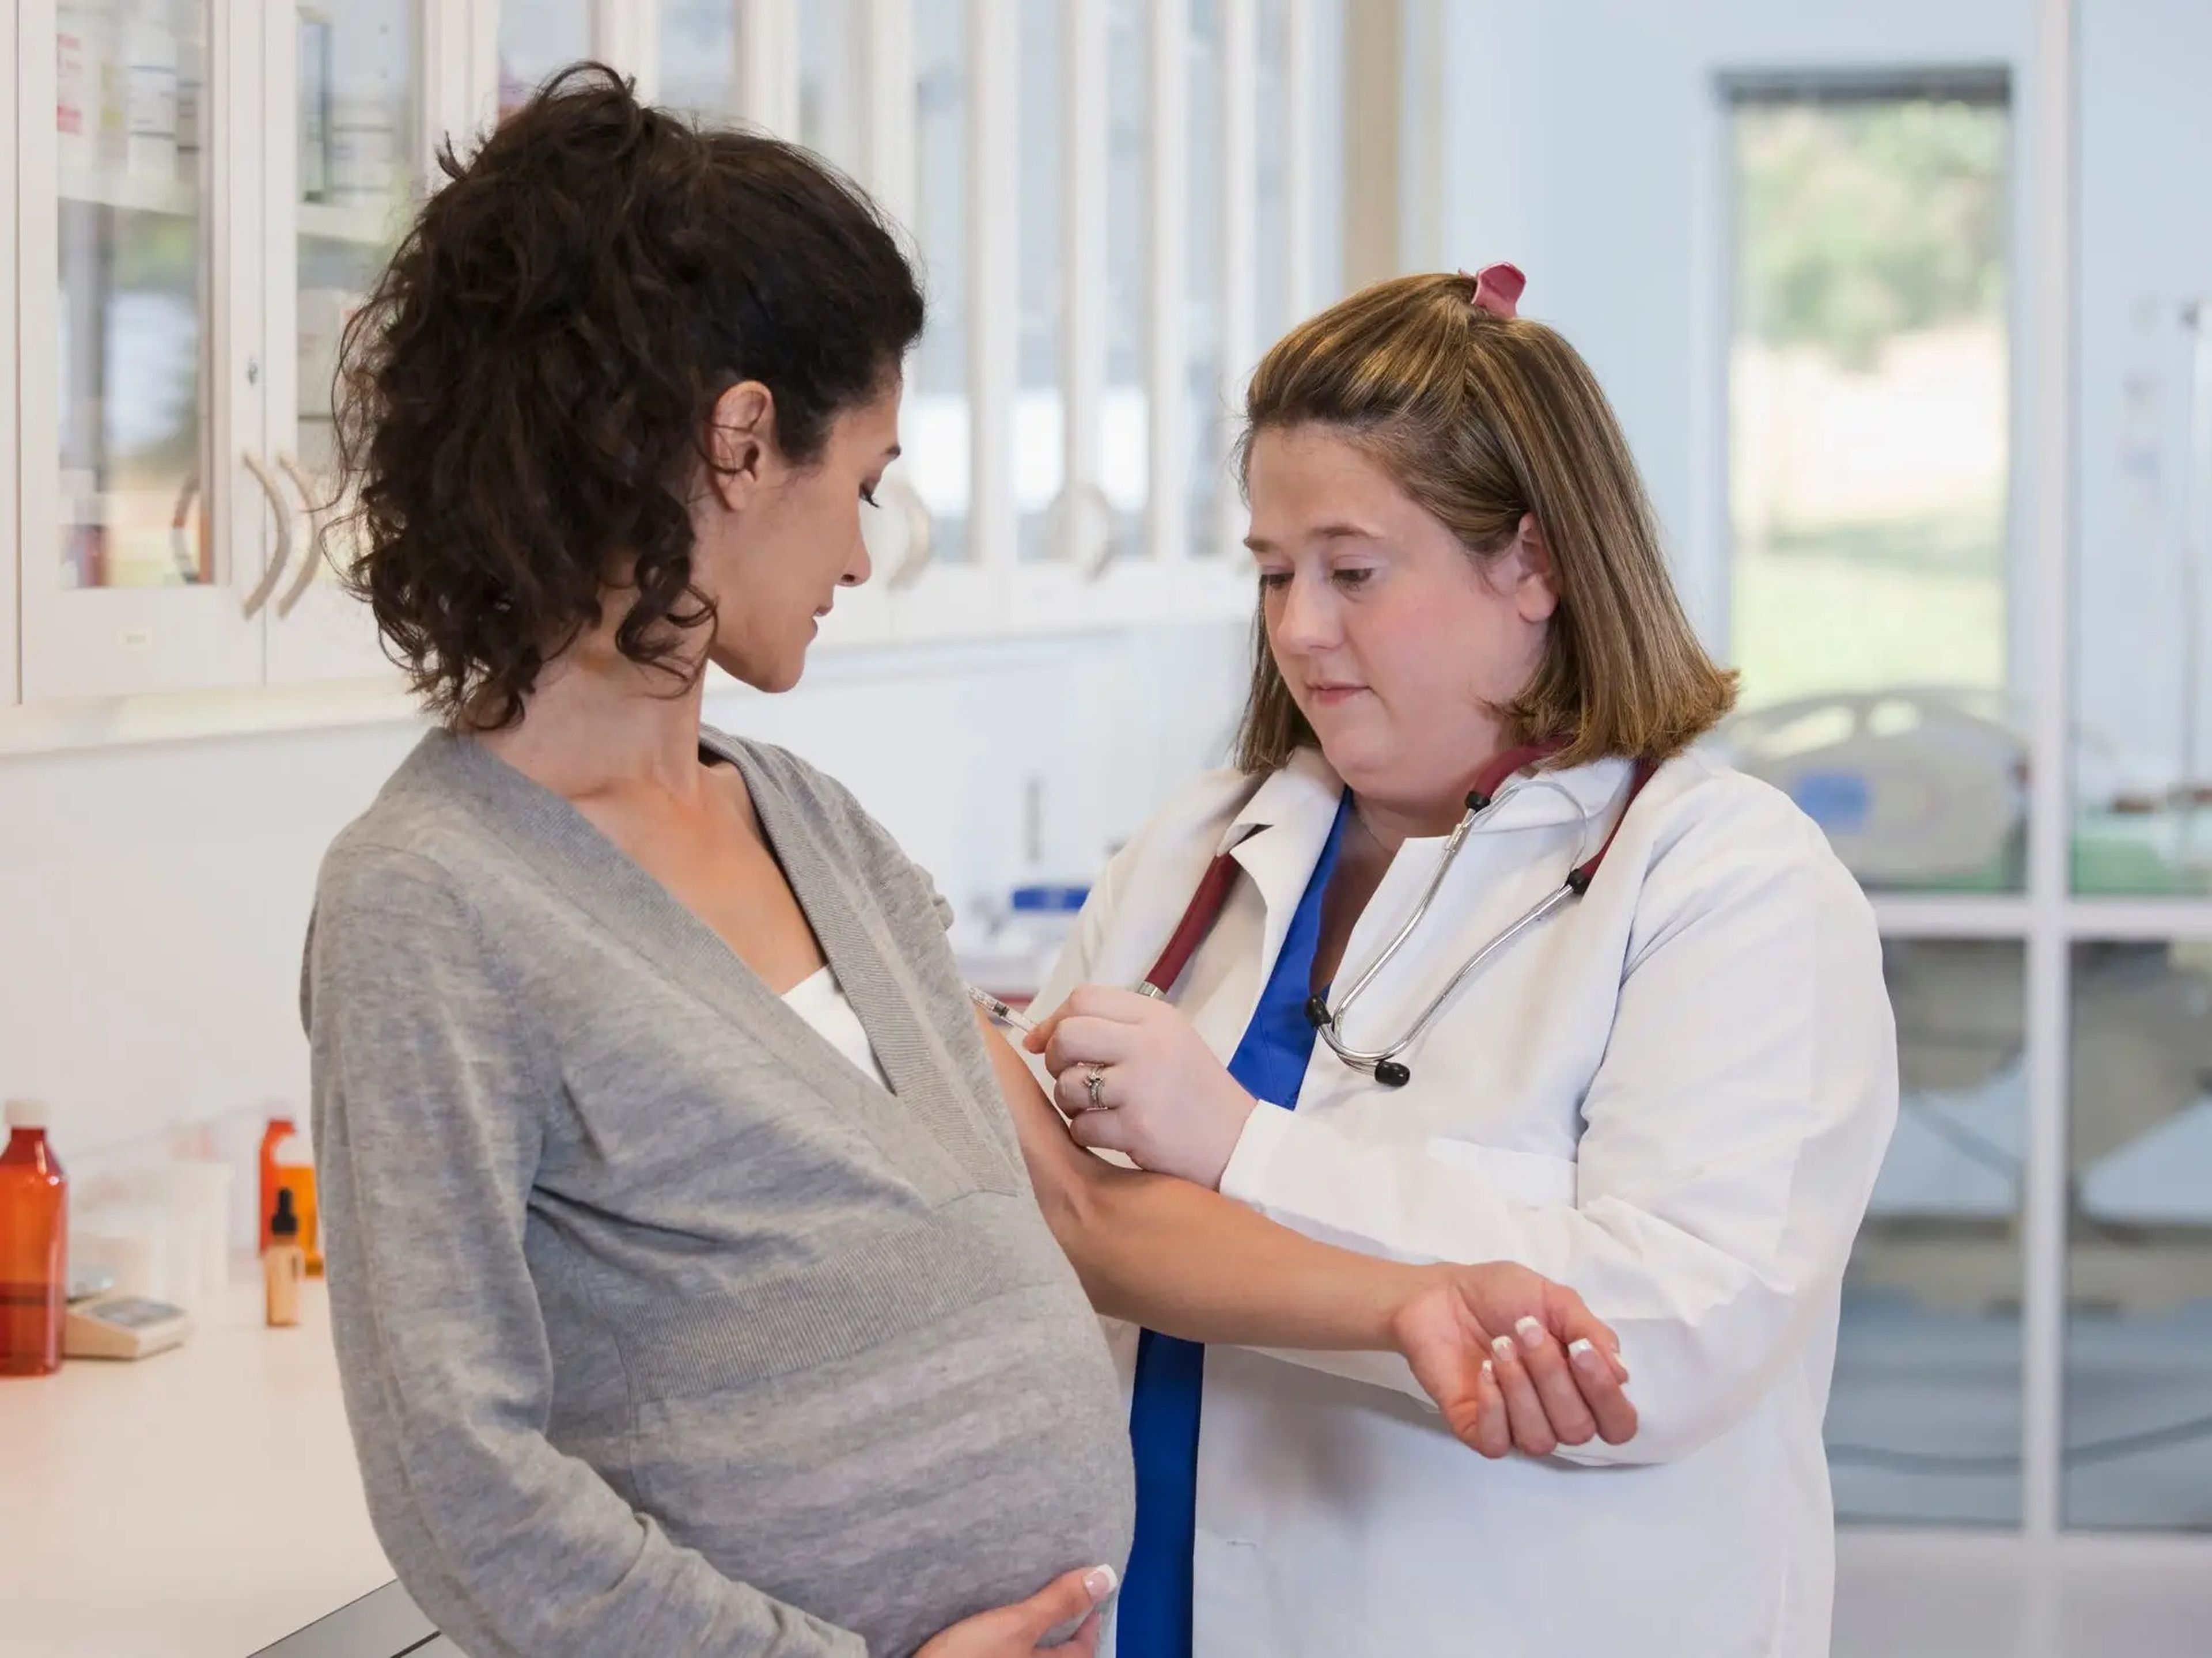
663	1329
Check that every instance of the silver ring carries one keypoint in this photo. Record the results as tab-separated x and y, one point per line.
1091	1085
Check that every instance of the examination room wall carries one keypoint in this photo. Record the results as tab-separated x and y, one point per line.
157	894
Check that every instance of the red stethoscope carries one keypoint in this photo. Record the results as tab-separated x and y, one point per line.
1383	1063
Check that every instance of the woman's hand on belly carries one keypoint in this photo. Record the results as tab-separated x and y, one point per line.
1019	1631
1514	1361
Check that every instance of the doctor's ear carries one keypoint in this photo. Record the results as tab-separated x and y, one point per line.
1523	572
740	441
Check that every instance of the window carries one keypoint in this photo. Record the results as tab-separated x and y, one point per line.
1868	464
1868	386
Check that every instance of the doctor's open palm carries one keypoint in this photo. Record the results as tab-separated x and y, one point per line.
1514	1361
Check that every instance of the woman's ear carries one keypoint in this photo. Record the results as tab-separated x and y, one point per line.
1524	573
740	441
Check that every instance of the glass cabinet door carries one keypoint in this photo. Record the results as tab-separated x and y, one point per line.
699	67
940	109
1125	430
1209	424
537	38
142	486
831	91
935	426
1041	500
353	151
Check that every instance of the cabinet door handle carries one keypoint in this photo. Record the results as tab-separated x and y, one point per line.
180	518
316	552
918	527
1063	517
282	509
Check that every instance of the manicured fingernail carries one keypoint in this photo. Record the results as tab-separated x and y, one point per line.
1100	1581
1582	1353
1503	1347
1489	1371
1531	1334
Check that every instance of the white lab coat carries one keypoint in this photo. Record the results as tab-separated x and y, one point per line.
1673	1095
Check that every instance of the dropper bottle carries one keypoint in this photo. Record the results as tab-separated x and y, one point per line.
284	1263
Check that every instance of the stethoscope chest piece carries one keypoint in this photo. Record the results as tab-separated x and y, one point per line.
1391	1073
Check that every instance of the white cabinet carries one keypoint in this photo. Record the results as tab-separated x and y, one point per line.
207	189
141	541
1098	225
205	186
347	82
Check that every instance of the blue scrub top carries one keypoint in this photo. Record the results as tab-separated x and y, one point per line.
1154	1617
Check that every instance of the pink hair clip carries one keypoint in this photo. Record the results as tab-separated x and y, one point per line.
1497	288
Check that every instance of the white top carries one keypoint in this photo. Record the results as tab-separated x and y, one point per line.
820	1000
1673	1095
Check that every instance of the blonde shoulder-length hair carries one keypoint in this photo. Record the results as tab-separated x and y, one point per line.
1481	418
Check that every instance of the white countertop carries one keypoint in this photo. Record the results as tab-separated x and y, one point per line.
200	1503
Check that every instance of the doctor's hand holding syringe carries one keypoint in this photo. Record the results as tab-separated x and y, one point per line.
1513	1361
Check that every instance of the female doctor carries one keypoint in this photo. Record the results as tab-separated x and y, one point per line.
1667	1081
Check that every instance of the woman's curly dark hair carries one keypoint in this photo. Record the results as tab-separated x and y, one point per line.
523	401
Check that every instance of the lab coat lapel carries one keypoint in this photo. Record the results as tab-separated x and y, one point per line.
1277	839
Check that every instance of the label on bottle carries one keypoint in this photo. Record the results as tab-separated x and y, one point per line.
153	106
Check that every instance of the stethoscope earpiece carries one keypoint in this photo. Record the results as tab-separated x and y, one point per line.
1393	1073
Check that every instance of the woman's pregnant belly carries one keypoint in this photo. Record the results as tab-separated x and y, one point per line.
944	1472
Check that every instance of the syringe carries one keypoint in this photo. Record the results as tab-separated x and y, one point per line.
1000	1012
